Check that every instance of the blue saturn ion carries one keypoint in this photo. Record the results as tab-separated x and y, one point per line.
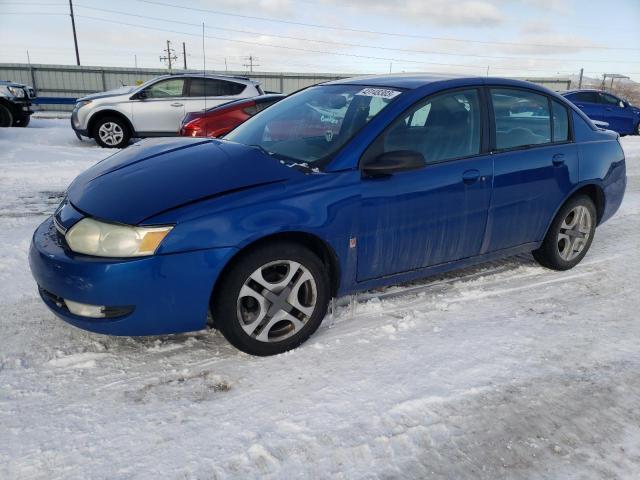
346	186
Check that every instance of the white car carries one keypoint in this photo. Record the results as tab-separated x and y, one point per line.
155	108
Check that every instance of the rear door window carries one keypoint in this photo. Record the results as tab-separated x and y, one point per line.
587	97
521	118
211	87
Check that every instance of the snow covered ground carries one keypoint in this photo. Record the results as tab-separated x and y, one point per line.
503	371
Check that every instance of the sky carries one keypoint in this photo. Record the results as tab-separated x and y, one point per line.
525	38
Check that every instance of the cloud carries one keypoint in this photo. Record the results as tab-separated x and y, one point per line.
478	13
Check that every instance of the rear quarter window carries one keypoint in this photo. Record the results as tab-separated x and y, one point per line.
560	122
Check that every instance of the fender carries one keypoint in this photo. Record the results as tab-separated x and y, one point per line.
114	110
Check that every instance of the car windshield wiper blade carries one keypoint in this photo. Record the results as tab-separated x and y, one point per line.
262	149
289	161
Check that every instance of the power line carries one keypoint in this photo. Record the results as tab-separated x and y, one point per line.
346	44
377	32
342	54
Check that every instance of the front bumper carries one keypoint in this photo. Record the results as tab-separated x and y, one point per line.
168	293
21	107
75	124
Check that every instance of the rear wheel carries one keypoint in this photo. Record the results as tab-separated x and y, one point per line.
111	132
570	235
6	118
272	299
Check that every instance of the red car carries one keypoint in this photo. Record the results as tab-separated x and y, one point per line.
220	120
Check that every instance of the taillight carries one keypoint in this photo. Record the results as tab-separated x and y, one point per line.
192	128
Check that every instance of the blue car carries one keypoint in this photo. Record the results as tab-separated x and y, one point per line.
619	115
342	187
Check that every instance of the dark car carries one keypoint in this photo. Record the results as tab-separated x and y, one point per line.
15	104
619	115
220	120
383	180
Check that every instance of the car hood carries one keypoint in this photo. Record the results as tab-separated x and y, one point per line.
155	176
109	93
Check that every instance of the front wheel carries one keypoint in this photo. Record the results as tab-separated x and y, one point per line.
272	299
569	236
111	132
6	118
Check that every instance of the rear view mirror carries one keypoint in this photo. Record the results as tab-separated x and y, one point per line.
394	162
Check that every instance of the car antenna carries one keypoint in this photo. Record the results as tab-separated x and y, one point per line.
204	84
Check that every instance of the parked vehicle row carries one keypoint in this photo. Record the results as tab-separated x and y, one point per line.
155	108
15	104
347	186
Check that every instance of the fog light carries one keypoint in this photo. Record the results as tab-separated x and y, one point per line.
85	310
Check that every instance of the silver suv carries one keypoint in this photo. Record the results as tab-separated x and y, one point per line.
155	108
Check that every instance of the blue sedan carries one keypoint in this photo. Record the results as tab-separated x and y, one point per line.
342	187
619	115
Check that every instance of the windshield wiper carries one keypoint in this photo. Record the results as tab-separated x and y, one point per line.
262	149
288	161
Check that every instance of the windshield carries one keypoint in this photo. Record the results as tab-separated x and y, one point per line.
310	126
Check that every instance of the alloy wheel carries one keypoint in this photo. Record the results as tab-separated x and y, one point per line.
276	301
574	233
111	133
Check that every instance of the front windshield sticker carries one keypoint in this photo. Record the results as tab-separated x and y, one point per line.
378	92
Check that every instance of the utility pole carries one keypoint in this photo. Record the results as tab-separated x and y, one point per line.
171	55
225	65
580	79
184	55
251	59
75	37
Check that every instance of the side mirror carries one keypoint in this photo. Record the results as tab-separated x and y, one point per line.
141	95
394	162
621	104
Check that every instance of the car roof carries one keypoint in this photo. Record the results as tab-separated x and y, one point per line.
240	101
410	81
397	80
215	77
588	90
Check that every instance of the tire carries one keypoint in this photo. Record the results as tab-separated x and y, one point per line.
638	129
111	132
247	311
22	121
6	118
570	235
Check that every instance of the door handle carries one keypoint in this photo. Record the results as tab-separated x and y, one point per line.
470	176
176	104
558	159
608	109
580	106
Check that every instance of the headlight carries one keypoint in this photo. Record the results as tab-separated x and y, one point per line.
100	239
82	104
16	92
